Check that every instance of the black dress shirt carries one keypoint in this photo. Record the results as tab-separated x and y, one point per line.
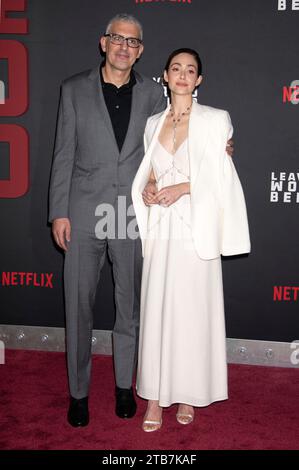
118	102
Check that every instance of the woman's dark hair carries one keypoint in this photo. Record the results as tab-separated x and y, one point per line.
185	50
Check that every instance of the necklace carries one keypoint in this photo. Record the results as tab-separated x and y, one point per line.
175	121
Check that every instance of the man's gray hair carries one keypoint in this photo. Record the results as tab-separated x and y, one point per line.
126	18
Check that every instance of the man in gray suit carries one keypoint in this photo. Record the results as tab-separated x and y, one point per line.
99	146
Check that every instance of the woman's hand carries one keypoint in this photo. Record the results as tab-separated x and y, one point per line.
170	194
149	193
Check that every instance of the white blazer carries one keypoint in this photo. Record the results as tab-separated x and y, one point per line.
218	212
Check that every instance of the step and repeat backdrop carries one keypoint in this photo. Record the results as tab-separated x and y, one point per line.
250	51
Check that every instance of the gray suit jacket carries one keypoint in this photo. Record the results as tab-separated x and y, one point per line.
88	168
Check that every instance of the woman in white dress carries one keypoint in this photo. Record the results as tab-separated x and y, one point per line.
190	212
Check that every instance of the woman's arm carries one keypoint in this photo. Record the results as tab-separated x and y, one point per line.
150	190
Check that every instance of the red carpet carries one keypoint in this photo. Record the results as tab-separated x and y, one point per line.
262	412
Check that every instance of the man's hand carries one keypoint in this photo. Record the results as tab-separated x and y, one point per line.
149	193
230	147
61	230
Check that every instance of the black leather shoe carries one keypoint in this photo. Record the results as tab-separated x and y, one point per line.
125	403
78	414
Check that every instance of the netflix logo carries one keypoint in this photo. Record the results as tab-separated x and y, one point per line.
23	279
290	94
285	294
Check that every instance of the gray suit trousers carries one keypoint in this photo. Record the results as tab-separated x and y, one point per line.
83	263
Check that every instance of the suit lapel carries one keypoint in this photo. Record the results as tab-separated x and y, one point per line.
100	103
135	106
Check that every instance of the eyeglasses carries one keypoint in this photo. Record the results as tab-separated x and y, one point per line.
119	40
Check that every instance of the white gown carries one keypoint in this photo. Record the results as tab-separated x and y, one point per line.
182	348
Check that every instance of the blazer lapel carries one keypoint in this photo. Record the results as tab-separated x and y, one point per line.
157	126
153	131
197	139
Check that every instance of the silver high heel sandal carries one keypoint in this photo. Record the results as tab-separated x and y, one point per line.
149	425
184	418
